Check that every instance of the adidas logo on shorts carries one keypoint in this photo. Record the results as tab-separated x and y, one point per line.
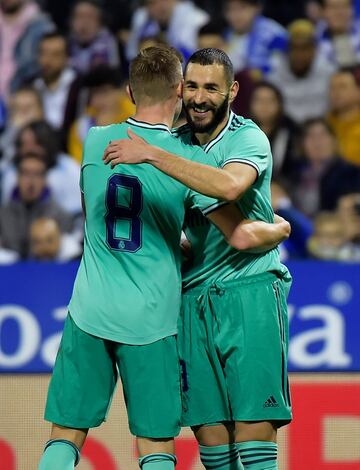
271	403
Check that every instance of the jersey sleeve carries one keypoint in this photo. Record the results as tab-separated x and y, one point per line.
249	146
85	155
205	204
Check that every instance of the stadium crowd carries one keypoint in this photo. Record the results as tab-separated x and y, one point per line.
63	69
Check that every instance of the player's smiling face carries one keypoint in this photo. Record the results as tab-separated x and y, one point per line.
206	96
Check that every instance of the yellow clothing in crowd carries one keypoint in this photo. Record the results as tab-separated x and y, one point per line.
347	132
81	126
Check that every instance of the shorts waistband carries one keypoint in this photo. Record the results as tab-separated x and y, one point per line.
223	286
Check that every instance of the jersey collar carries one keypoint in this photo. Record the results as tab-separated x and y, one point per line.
214	141
146	125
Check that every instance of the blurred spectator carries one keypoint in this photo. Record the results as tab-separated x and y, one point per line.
339	34
314	11
329	240
177	21
55	80
30	200
152	41
322	176
24	107
285	11
348	208
47	243
212	35
344	116
3	115
266	109
90	43
301	226
63	176
252	38
302	74
108	103
22	25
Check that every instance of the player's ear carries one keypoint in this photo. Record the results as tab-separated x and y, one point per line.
234	89
180	89
130	94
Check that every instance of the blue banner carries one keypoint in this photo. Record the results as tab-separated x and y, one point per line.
324	315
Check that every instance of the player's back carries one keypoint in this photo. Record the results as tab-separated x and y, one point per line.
128	285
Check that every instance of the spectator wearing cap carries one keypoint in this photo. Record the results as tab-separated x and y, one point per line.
31	199
344	115
22	24
252	38
90	42
179	22
339	34
302	74
108	103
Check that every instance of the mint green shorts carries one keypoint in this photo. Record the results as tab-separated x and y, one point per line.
86	373
233	342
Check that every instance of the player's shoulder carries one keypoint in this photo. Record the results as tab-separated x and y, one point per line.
183	133
243	131
99	132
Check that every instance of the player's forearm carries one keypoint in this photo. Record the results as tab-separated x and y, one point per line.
259	236
204	179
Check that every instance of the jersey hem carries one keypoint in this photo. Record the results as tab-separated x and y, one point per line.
140	341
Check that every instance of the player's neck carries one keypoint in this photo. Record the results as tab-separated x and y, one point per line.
155	114
206	137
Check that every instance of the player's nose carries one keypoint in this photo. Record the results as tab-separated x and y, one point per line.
200	96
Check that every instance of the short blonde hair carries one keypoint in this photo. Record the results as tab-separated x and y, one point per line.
154	74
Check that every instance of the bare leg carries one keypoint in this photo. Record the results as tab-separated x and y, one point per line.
62	452
76	436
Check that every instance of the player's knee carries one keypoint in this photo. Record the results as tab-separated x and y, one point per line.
255	431
214	435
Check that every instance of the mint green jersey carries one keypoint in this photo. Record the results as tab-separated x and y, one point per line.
128	285
241	141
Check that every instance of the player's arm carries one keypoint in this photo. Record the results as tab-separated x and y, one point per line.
228	184
249	234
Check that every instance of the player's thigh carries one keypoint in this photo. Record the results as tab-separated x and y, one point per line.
150	377
83	379
254	349
204	394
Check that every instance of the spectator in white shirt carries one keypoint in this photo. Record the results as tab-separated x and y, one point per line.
302	74
56	78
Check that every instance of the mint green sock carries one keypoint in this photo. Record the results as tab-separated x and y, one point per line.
258	455
59	454
157	462
224	457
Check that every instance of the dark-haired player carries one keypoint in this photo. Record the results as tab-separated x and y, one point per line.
233	332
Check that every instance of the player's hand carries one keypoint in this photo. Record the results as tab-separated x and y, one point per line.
282	226
131	151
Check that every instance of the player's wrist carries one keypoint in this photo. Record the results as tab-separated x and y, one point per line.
155	155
